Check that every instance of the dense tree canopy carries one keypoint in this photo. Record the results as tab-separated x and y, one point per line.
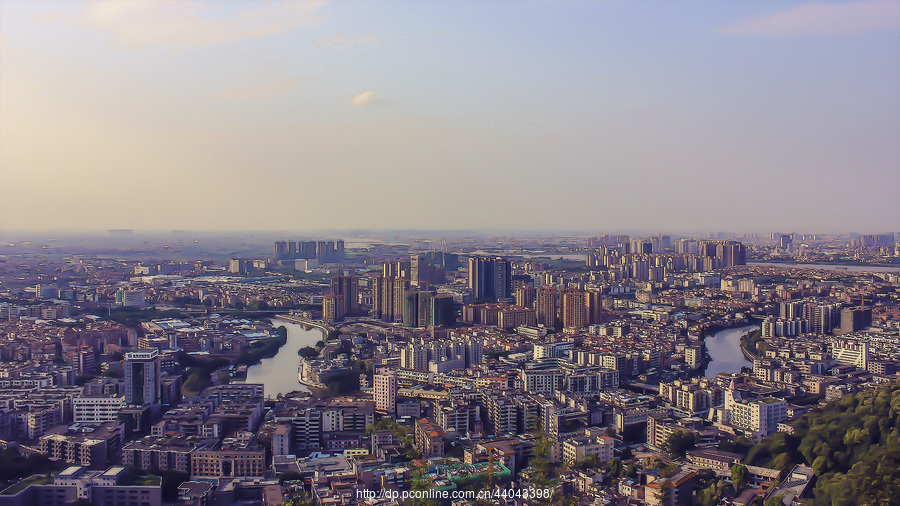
853	445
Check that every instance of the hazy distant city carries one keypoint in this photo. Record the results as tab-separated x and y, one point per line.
320	252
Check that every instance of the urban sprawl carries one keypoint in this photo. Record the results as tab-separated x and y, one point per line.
600	370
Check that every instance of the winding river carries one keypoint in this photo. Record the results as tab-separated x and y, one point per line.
724	348
279	373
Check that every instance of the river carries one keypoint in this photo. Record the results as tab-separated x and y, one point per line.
828	267
279	373
724	348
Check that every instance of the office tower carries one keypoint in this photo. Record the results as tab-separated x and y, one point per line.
421	272
281	250
593	305
573	309
441	312
855	318
525	296
130	297
348	288
547	299
490	278
385	386
142	382
416	309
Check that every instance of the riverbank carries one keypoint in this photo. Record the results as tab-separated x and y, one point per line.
748	340
329	331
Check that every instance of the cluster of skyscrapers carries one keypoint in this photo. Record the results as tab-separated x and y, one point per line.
322	251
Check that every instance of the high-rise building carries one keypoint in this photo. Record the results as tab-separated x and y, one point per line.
306	250
416	309
388	295
785	241
385	387
440	310
142	377
792	310
547	302
281	250
348	288
593	302
823	317
574	310
525	296
414	356
448	261
855	318
421	272
731	253
333	308
490	278
239	266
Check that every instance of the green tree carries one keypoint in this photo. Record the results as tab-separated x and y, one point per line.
652	462
543	475
420	483
680	441
615	467
713	494
738	475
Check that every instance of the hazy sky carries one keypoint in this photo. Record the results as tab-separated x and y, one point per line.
608	115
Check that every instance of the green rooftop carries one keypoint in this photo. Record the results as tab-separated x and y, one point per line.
34	479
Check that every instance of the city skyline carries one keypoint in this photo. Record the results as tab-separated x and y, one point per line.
581	116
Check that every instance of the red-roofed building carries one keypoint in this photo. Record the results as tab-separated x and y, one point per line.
429	438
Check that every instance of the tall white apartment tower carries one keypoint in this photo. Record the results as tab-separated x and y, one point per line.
385	391
142	382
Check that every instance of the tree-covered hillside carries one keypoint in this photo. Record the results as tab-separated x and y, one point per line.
853	444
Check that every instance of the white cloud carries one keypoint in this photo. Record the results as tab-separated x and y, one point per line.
823	19
364	98
137	24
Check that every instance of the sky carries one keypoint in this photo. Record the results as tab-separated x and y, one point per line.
500	115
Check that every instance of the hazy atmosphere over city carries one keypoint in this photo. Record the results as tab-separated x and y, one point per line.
303	115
